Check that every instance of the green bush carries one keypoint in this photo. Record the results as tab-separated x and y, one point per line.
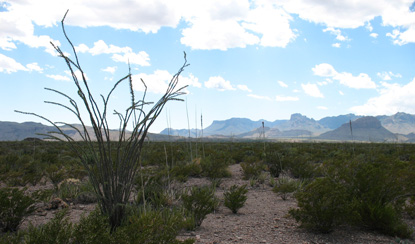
235	197
151	227
252	169
14	206
286	186
199	202
214	167
322	205
57	231
182	172
92	229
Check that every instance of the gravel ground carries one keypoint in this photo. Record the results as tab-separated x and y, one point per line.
263	219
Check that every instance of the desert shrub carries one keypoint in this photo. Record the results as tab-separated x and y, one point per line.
182	172
92	229
155	189
376	188
285	186
214	167
14	206
199	202
274	163
56	231
322	205
235	197
55	174
153	226
252	169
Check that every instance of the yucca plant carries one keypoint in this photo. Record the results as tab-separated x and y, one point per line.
111	165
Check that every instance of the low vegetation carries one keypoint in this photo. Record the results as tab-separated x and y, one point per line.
367	186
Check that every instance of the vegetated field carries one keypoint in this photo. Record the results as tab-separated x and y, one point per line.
297	193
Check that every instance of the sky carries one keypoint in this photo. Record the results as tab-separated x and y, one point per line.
259	59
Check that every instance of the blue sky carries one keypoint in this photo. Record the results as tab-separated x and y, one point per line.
263	59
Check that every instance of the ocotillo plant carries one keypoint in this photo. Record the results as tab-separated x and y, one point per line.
111	165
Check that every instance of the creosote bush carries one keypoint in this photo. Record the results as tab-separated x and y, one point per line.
285	186
235	197
199	202
14	206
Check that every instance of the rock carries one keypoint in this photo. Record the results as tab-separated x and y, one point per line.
57	203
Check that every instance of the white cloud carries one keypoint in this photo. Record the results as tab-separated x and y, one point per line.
324	70
9	65
312	90
282	84
341	93
362	81
158	81
224	24
119	54
218	83
388	75
141	58
273	23
244	88
286	99
59	77
337	44
110	69
354	14
213	34
337	33
374	35
392	98
34	67
322	108
260	97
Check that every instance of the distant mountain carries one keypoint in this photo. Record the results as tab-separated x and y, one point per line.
300	122
236	126
401	123
335	122
364	129
13	131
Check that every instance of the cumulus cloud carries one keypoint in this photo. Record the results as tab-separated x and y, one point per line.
158	81
282	84
224	24
9	65
244	88
286	99
360	81
374	35
110	69
219	83
388	75
337	33
34	67
392	98
322	108
119	54
354	14
312	90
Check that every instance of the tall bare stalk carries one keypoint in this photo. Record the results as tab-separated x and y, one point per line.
111	165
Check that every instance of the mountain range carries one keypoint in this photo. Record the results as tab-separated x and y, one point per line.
399	127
